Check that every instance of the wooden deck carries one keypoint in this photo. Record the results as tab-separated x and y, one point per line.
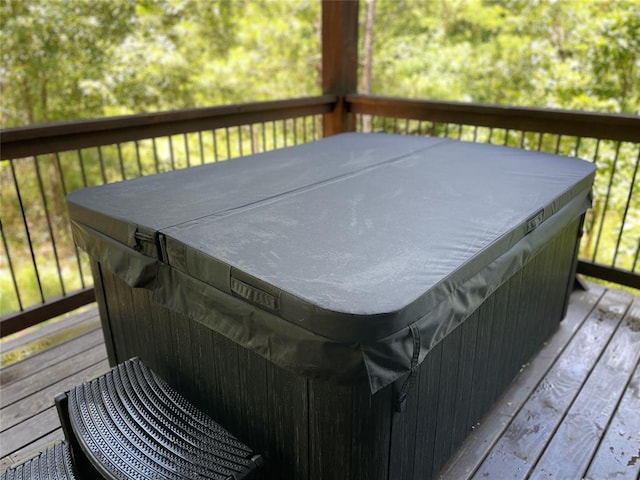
573	412
74	352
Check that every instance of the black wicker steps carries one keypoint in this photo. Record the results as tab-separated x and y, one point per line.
132	425
55	463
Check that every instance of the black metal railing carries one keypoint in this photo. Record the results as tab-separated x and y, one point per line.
610	247
43	274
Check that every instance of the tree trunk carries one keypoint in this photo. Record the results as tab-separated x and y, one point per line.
367	59
28	101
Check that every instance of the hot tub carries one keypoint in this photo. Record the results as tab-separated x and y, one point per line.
351	307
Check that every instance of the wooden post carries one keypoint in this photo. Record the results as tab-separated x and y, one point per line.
339	60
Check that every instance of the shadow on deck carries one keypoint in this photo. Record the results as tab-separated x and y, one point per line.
571	413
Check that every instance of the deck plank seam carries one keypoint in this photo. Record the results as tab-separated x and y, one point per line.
38	409
71	373
42	435
605	346
511	416
613	415
34	356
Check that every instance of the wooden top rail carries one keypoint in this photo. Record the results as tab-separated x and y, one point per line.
605	126
58	137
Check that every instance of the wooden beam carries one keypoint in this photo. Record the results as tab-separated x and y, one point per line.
603	126
609	274
15	322
339	60
58	137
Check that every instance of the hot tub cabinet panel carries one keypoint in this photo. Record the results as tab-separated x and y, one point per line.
317	430
393	393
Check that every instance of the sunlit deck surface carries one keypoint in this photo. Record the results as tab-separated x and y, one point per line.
573	412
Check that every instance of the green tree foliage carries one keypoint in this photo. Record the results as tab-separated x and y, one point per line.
573	54
52	51
615	53
87	58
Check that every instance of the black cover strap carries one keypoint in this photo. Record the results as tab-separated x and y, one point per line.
400	400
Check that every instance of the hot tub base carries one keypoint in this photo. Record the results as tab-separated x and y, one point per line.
310	429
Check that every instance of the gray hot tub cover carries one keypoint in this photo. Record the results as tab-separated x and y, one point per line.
335	259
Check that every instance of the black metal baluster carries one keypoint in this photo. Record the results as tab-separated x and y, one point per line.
155	154
186	149
228	142
64	193
140	173
606	202
558	144
121	162
171	157
82	170
577	146
273	133
253	142
284	129
304	130
595	154
26	229
103	172
214	134
626	209
201	146
11	269
47	215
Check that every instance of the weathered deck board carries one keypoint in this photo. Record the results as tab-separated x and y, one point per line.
479	443
47	331
54	374
569	452
574	409
585	382
72	351
54	354
532	428
31	429
619	453
29	450
39	401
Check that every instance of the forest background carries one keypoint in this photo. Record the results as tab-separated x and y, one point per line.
77	59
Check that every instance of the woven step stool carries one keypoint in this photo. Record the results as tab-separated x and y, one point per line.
55	463
130	424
